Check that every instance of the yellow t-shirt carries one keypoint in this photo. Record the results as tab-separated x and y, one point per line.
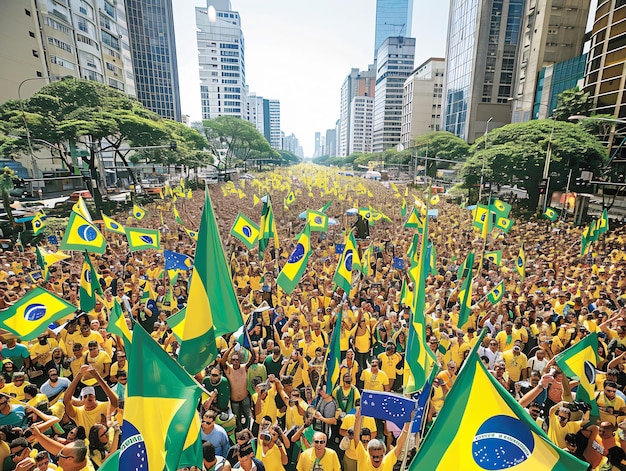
272	459
374	382
328	462
88	418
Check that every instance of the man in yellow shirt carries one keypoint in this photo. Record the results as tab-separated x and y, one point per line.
318	456
375	379
376	458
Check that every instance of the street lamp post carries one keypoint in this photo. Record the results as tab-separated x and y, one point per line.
482	170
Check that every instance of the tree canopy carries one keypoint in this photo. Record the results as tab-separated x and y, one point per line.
516	154
239	138
73	111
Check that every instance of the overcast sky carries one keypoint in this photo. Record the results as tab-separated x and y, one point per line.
300	51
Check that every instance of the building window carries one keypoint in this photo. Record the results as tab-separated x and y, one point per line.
27	11
35	53
31	34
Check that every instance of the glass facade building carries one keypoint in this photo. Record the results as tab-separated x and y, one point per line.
153	48
483	37
393	18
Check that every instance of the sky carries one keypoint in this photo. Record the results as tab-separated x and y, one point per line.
300	52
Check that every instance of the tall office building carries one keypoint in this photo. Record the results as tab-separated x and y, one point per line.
359	83
481	52
361	124
292	144
605	74
394	64
393	18
221	61
422	100
49	40
255	112
272	110
553	31
331	143
153	46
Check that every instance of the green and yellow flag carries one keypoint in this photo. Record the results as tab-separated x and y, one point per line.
495	295
494	256
465	294
292	271
481	427
81	208
500	208
117	325
403	208
32	314
551	214
580	361
349	261
603	223
245	230
89	286
192	234
138	212
317	220
142	239
161	401
420	360
38	223
81	234
290	199
267	228
111	225
504	224
46	259
212	307
177	216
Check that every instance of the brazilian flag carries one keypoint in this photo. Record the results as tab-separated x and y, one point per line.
317	220
494	257
349	261
482	427
89	286
81	234
138	212
161	401
142	239
38	223
32	314
111	225
580	361
496	294
551	214
292	271
245	230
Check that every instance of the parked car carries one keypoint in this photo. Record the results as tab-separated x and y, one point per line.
77	194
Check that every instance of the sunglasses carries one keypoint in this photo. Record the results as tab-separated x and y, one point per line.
17	453
319	442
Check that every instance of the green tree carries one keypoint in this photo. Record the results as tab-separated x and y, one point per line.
440	145
516	154
6	185
238	137
572	102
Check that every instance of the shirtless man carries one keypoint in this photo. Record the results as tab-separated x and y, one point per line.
238	378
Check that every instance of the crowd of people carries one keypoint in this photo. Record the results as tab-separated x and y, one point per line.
267	406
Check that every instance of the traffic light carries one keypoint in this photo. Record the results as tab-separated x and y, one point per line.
542	186
173	145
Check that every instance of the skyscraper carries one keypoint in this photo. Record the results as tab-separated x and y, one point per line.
153	47
394	64
357	84
393	18
481	52
221	60
553	31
